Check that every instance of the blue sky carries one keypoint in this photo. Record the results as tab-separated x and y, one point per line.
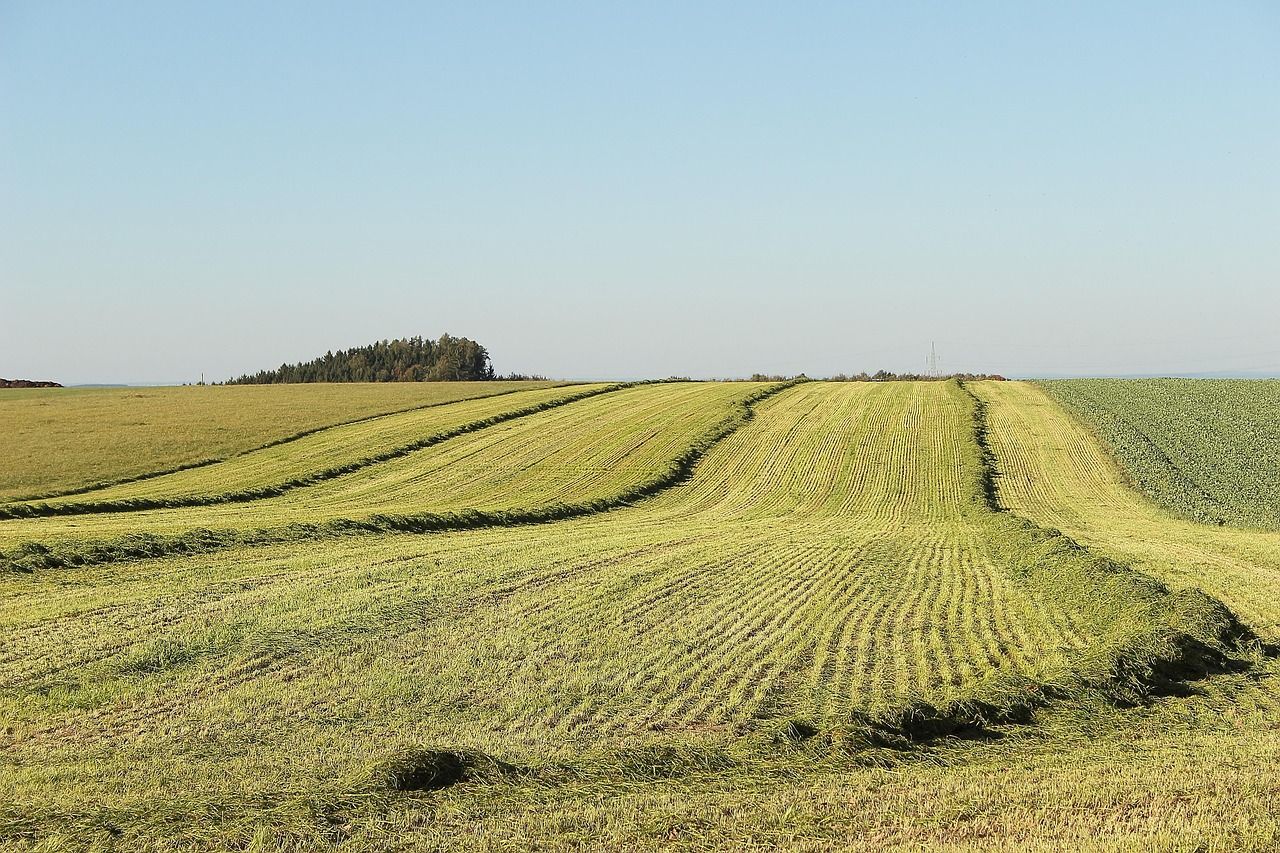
641	189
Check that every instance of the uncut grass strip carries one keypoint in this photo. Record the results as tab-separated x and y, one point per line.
288	439
31	556
277	489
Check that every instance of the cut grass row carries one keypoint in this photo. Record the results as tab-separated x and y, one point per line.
63	440
315	458
1195	772
567	460
725	529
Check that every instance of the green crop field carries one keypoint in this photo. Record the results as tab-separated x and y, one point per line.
1204	448
889	615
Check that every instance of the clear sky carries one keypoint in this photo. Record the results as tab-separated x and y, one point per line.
640	189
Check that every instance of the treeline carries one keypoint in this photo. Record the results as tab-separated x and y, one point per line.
886	376
881	376
28	383
416	359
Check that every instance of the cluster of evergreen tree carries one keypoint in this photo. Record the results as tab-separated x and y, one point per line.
28	383
403	360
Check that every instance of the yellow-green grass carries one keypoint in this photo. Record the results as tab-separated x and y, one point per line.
1186	773
320	455
59	439
832	556
1099	781
824	559
582	452
1191	772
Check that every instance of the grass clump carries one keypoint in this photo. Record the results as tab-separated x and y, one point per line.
423	769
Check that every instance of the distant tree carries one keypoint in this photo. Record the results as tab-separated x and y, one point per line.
887	376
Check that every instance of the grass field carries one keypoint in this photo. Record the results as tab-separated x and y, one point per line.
323	455
796	616
61	439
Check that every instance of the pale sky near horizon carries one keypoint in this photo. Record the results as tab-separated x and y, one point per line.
625	190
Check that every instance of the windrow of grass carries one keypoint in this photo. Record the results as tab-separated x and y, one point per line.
318	456
542	470
819	563
1139	639
64	441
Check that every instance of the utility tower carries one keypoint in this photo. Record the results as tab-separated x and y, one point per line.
932	361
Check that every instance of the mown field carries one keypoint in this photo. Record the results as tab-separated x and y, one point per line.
58	440
685	615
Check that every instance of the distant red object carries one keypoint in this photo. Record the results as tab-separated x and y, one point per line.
28	383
